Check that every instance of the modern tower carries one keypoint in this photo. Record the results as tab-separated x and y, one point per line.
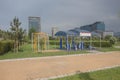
97	26
34	22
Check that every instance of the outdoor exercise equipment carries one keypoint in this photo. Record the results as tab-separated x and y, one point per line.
75	35
40	41
81	45
60	43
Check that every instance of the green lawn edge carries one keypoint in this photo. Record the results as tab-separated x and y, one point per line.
107	74
26	52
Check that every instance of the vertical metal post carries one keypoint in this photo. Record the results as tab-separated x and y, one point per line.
55	43
100	41
38	39
90	43
80	39
67	42
32	42
48	42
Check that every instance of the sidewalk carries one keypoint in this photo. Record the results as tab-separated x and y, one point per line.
36	68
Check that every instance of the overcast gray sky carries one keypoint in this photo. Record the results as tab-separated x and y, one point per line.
64	14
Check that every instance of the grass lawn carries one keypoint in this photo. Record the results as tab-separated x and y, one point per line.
26	52
117	44
108	74
109	49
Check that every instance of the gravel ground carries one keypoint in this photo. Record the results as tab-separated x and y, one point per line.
45	67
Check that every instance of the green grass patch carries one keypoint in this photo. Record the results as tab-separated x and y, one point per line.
117	44
109	49
108	74
26	52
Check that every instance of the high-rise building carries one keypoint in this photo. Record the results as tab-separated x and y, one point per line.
34	22
54	30
97	26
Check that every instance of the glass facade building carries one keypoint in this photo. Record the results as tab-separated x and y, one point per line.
97	26
34	22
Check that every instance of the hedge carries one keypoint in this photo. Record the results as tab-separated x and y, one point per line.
55	42
97	44
6	46
94	44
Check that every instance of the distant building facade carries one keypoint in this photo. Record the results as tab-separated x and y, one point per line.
54	31
97	26
106	33
34	22
117	34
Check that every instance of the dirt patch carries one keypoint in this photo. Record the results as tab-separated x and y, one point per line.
30	69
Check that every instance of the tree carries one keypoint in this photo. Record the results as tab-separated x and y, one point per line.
15	24
107	37
31	30
1	34
21	35
112	40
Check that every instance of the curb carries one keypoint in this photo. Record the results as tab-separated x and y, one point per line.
48	57
65	75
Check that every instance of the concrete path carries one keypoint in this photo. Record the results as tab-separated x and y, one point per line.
35	68
117	46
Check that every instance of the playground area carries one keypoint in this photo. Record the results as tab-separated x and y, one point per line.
46	67
67	54
70	40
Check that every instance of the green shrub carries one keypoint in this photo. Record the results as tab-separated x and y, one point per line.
97	44
54	42
5	46
112	40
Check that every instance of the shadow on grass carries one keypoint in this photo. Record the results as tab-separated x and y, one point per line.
84	76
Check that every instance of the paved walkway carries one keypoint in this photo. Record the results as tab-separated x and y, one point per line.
34	68
117	46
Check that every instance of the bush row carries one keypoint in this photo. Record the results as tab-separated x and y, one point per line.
94	44
6	46
56	42
97	44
